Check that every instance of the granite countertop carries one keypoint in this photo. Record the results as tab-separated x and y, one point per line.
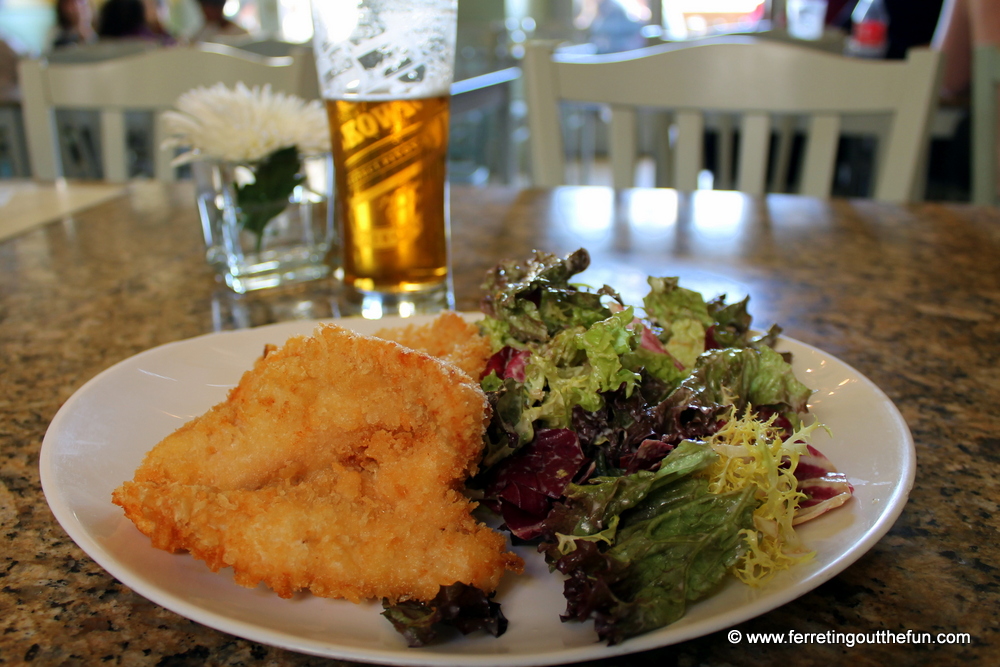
908	295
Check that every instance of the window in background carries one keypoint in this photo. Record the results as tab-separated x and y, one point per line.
295	20
25	24
684	19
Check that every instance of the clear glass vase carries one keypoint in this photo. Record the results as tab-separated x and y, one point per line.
298	244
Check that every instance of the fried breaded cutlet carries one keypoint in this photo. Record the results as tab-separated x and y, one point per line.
449	337
335	466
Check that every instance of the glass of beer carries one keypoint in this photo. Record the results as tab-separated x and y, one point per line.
385	70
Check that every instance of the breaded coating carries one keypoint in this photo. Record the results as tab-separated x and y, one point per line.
335	466
449	337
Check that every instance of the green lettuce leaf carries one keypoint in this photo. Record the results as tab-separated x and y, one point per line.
671	543
667	303
732	322
682	316
740	376
674	549
687	321
588	508
657	364
509	427
574	368
732	325
605	343
532	301
686	341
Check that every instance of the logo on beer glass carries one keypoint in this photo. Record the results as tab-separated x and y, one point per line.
392	190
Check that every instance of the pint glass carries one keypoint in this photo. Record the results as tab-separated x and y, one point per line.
385	70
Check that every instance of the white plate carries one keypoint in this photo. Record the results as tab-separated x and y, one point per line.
100	435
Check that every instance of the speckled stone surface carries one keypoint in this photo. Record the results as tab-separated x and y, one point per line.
910	296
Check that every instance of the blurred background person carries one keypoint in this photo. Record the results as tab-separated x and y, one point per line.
158	18
964	25
130	19
74	23
217	24
613	25
11	50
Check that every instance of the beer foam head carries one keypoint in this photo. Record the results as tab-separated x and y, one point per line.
384	49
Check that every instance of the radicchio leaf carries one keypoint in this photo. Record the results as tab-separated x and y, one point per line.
508	363
524	486
824	487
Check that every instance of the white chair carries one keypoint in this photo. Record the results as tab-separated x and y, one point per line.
763	81
986	76
149	81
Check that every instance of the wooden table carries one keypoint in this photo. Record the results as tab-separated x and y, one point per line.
908	295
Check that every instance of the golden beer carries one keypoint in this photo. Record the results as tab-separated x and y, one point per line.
390	169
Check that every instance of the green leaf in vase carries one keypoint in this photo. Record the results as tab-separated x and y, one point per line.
276	176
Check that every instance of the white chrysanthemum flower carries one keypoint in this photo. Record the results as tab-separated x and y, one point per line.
244	124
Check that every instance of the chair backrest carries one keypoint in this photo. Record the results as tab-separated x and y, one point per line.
757	79
150	81
985	77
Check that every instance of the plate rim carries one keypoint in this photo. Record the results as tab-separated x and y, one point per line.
78	532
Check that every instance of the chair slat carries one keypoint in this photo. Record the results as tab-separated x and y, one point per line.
39	121
162	169
114	151
903	164
726	140
755	142
662	150
623	150
986	76
689	154
785	130
821	155
548	162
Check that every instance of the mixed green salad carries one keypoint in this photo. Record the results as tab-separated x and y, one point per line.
648	451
